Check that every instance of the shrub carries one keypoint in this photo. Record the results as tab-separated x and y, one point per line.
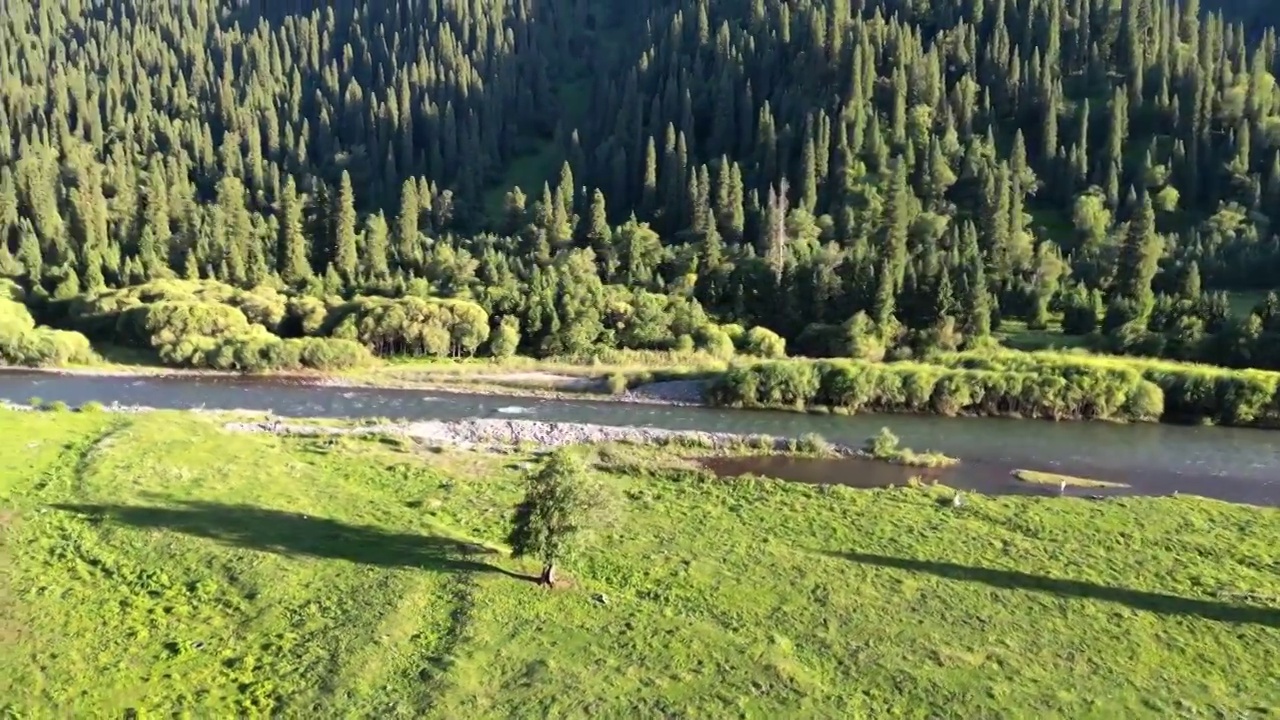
505	340
970	388
862	339
815	444
616	383
332	354
764	343
23	343
411	325
304	316
715	342
883	445
54	406
1183	391
92	407
10	290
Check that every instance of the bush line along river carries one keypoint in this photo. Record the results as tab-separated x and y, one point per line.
1231	463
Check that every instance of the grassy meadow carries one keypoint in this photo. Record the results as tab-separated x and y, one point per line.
157	564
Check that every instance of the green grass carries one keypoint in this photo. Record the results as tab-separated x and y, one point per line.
1244	301
1014	334
1048	478
155	563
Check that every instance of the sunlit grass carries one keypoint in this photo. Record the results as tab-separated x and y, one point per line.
156	564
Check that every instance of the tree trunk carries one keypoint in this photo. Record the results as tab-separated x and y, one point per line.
548	577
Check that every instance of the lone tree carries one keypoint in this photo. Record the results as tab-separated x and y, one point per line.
560	502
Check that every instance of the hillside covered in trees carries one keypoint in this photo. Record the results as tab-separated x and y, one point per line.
864	178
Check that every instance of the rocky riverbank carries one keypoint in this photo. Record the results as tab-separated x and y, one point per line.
488	433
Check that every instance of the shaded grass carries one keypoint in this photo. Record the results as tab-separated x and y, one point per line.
1048	478
163	566
1242	302
1016	335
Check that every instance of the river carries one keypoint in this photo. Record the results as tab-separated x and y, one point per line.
1242	464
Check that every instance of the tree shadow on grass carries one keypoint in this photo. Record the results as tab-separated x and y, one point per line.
1136	599
297	535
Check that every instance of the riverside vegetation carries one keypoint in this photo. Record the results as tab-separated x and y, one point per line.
155	564
205	324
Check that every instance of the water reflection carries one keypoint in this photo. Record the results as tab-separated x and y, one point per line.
988	478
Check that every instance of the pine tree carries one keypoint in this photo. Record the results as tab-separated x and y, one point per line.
1190	290
885	302
292	255
374	265
343	259
896	224
1139	259
598	236
234	231
408	251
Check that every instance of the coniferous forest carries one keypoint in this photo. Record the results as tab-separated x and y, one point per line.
847	178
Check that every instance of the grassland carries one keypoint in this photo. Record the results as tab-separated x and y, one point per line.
155	563
1015	335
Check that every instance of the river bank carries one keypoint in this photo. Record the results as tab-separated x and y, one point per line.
807	459
527	384
1092	450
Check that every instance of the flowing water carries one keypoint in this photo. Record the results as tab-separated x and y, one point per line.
1232	463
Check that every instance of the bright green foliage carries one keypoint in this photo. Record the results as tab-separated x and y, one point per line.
883	444
1190	392
412	326
505	339
23	343
1104	393
763	342
560	504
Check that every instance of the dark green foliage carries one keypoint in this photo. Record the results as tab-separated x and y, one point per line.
782	165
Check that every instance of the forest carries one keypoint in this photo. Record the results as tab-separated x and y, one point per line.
853	179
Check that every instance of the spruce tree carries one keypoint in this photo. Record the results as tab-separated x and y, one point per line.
343	259
291	254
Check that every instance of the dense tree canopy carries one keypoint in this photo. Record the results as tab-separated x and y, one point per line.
859	176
